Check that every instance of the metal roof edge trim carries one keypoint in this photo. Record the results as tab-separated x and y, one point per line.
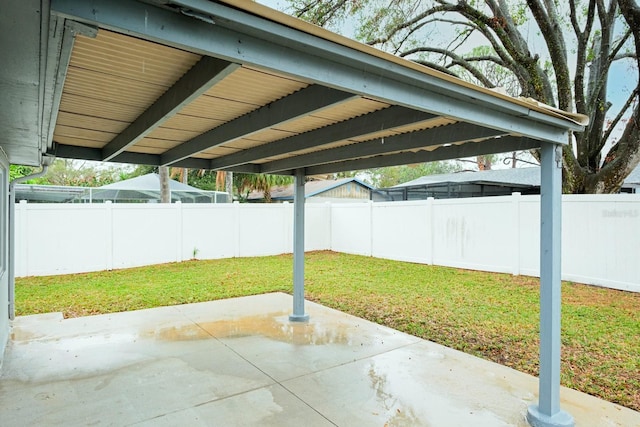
297	24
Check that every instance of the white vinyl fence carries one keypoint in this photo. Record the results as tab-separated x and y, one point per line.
600	234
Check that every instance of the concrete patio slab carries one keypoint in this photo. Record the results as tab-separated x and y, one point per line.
240	362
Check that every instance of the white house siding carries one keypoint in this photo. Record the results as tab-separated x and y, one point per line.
4	251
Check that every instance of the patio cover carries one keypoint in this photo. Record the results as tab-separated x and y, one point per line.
233	85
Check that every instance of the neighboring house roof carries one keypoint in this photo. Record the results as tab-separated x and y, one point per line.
528	177
633	180
150	181
502	181
140	189
496	182
37	193
147	187
311	189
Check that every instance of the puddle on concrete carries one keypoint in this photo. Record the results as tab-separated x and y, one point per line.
396	413
18	334
406	397
275	326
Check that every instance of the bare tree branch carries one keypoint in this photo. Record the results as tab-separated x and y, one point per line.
436	67
617	119
407	24
457	60
487	58
615	51
582	39
547	20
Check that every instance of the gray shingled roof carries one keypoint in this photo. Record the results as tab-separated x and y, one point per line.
517	176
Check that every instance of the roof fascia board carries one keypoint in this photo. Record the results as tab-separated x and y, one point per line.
449	134
62	35
279	48
57	55
205	74
311	99
388	118
496	145
49	55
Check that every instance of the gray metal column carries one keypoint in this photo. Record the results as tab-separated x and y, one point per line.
548	413
298	250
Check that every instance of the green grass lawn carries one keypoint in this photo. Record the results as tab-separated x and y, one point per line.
494	316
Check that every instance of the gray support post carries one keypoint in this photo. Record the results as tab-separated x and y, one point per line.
548	413
298	250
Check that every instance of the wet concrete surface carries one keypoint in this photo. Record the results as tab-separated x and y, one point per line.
240	362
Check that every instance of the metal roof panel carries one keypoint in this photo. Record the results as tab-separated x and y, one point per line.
259	104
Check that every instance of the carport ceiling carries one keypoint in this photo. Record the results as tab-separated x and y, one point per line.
232	85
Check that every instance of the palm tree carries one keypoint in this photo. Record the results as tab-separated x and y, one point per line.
260	182
181	173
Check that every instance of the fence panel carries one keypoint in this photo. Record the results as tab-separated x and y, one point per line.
209	231
351	228
61	239
402	231
144	234
600	234
601	238
478	236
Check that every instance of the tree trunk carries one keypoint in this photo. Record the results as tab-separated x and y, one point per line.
228	184
484	162
165	192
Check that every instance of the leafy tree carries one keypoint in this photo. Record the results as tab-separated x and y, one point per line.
18	171
394	175
78	174
137	171
182	174
203	179
559	53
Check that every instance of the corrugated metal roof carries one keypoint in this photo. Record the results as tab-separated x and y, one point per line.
259	91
